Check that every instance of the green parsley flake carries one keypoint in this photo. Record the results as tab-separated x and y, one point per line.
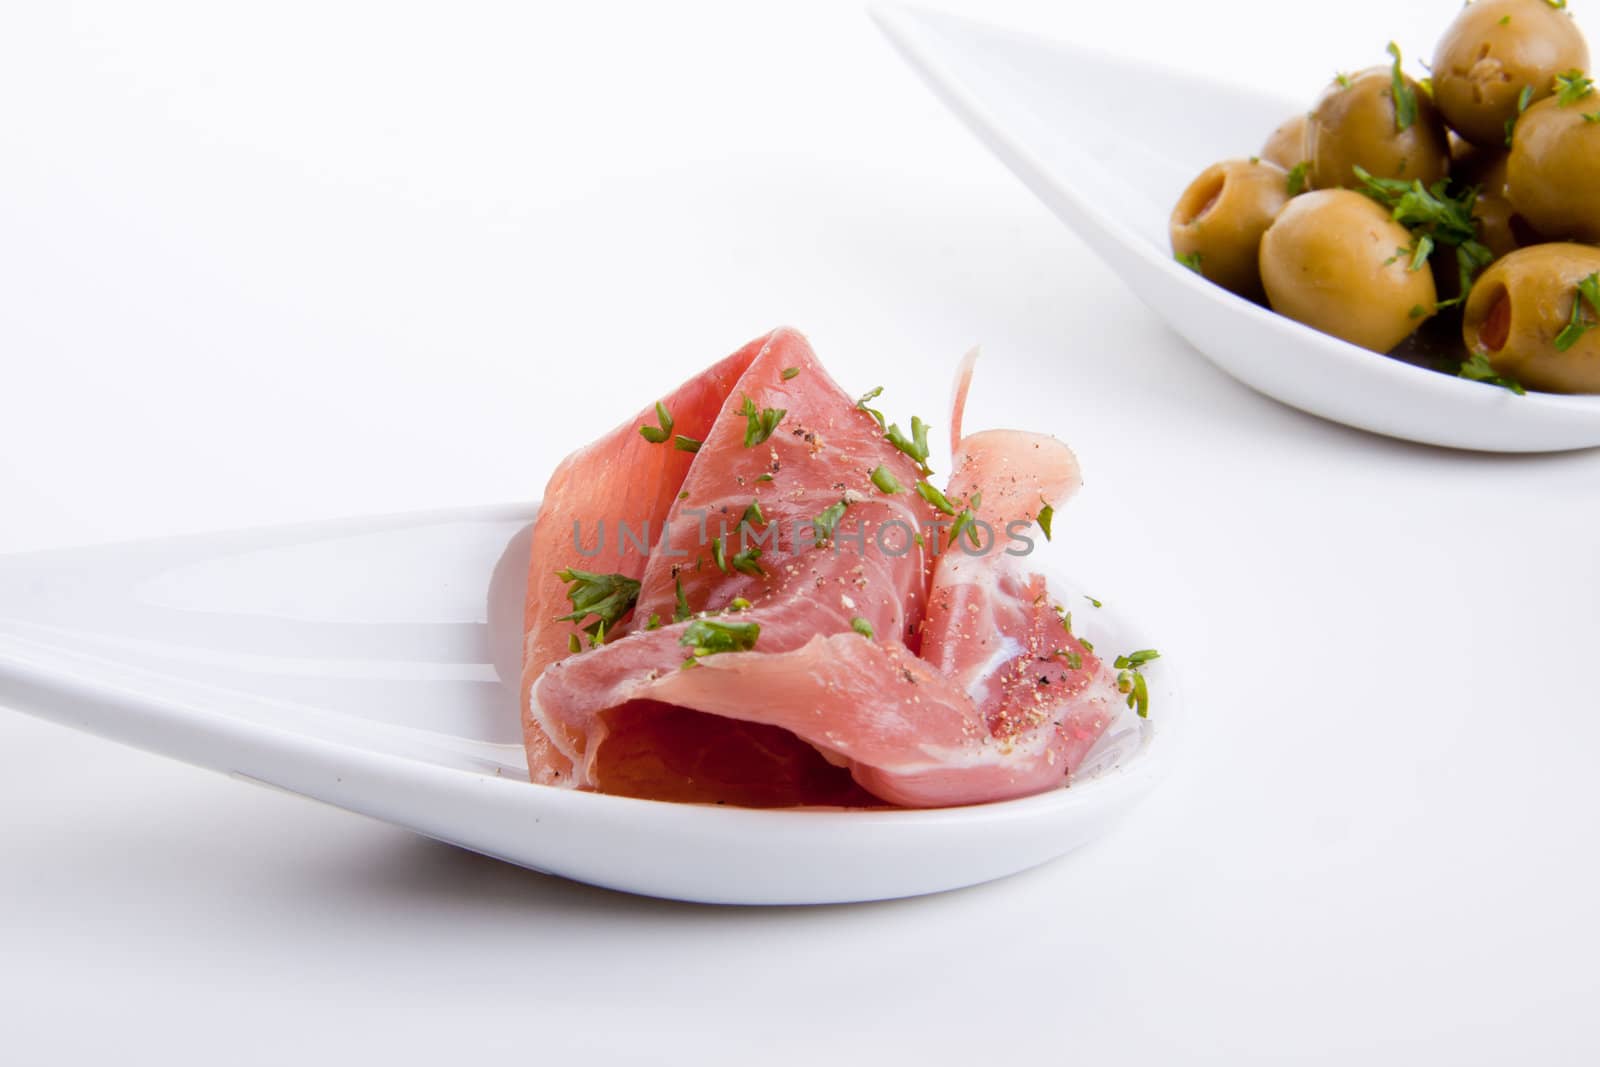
608	597
1477	368
1579	324
759	424
707	637
1405	97
1190	260
790	373
1445	219
915	446
1046	515
657	434
935	497
1297	177
871	394
862	627
1133	684
1571	87
681	610
965	524
753	515
885	480
745	562
828	521
685	444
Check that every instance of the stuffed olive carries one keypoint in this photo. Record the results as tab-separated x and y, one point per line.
1499	56
1337	262
1219	220
1553	173
1535	315
1287	145
1379	120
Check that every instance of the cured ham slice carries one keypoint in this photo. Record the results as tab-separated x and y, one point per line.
808	627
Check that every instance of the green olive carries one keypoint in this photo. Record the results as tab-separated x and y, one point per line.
1337	262
1354	125
1287	145
1553	173
1221	216
1493	51
1519	307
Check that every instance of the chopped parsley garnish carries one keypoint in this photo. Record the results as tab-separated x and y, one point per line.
653	623
608	597
935	497
871	394
1422	250
1133	684
1074	660
915	446
964	524
1046	515
1343	79
719	554
738	603
1131	679
657	434
1445	220
707	637
1297	177
1477	368
790	373
1084	641
1593	116
1405	97
1571	87
1190	260
759	424
1578	325
862	627
685	444
680	610
1524	100
573	644
1093	601
885	480
828	521
766	477
745	562
752	515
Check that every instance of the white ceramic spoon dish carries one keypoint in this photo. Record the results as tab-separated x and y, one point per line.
1098	139
372	664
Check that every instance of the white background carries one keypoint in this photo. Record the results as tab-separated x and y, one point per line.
262	263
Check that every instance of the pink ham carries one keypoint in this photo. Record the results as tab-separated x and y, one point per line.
1000	702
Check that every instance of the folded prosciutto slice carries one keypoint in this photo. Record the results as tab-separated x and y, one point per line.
751	594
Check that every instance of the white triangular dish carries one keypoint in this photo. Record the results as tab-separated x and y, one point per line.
1100	141
372	664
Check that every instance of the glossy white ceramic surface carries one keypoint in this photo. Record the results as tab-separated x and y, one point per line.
1108	144
373	664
